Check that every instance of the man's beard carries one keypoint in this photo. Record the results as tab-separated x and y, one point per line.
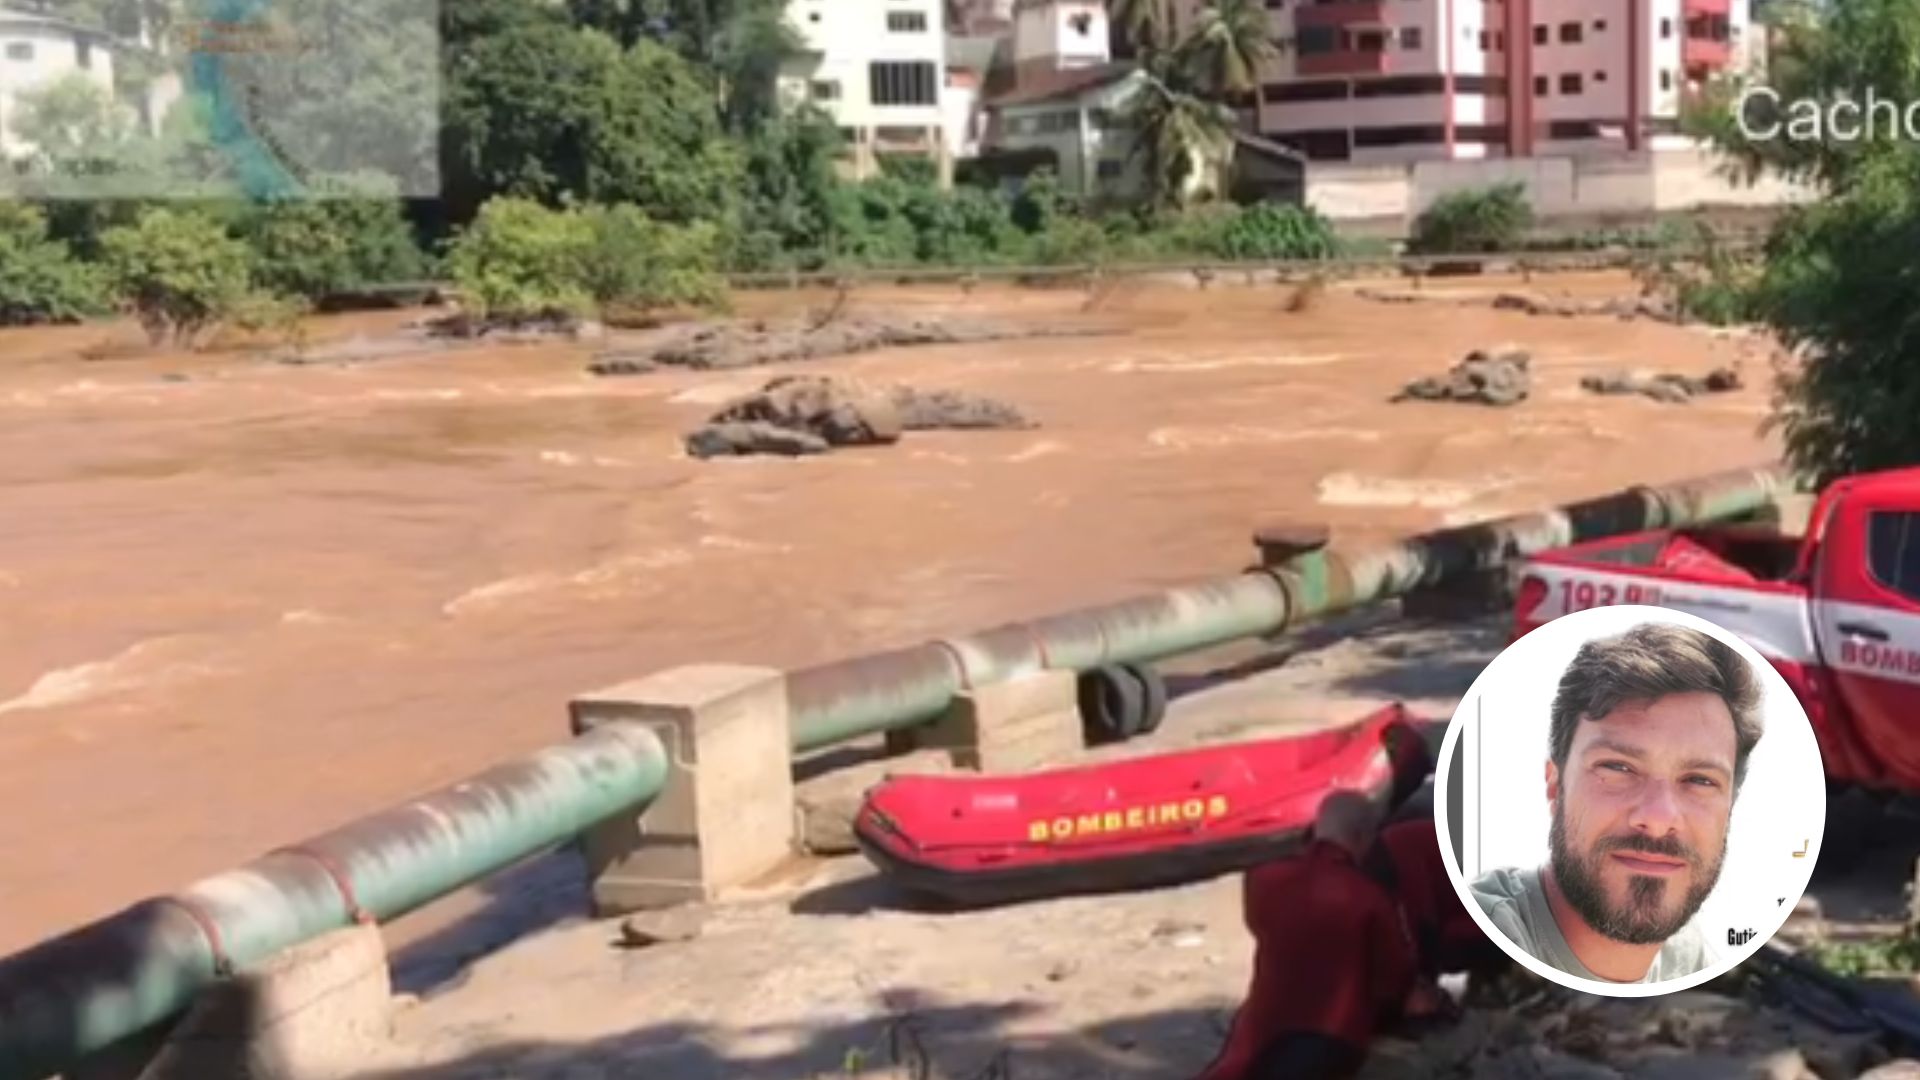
1638	919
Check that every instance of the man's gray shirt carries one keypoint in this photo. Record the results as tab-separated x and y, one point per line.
1516	901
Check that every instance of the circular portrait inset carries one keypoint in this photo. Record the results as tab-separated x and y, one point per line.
1633	800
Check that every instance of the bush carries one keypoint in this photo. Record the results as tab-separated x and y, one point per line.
312	248
1703	280
635	261
1072	241
1276	231
40	281
1486	220
180	272
520	260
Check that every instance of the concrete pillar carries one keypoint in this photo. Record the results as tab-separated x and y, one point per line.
726	814
942	158
1015	726
318	1011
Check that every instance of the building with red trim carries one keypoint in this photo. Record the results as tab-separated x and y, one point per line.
1408	80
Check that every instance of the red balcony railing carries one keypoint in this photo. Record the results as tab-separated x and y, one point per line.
1705	53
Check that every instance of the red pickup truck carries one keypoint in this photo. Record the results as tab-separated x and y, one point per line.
1837	610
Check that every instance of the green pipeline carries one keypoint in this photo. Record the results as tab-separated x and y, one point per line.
851	699
105	982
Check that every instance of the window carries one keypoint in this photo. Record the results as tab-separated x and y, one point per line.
1600	76
1082	23
1111	168
1499	41
825	90
1666	29
896	82
20	50
1540	34
1666	79
1486	41
1570	83
907	22
1540	86
1599	26
1370	41
83	54
1409	37
1893	550
1315	40
1570	33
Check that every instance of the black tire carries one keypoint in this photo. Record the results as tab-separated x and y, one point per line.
1112	704
1154	691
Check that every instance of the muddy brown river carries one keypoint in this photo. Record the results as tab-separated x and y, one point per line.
246	601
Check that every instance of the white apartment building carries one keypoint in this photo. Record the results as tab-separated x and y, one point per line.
1406	80
879	67
37	50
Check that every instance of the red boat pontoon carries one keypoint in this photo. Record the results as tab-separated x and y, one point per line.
1132	823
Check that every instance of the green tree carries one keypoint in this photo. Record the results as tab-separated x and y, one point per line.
739	44
1837	285
522	260
180	272
1841	52
523	112
554	113
40	280
75	128
790	194
309	248
1227	47
637	262
752	45
1177	131
1144	25
658	143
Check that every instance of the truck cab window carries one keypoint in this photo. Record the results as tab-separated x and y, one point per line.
1893	550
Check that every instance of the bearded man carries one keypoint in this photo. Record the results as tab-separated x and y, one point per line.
1649	737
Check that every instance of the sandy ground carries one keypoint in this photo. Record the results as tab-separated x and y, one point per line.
248	601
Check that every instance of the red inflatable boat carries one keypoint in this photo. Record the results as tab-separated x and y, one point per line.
1128	824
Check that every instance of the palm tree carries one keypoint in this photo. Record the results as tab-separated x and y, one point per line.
1227	47
1174	131
747	53
1146	25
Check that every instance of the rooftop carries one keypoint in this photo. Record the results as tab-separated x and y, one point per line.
1057	83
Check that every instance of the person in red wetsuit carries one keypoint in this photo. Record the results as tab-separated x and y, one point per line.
1406	861
1331	962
